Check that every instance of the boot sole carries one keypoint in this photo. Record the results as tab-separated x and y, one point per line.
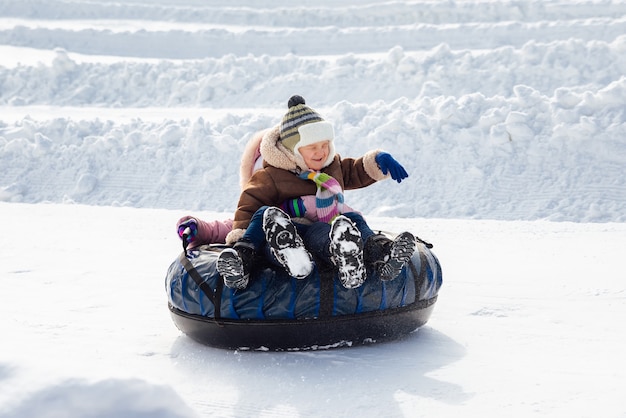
230	267
346	247
285	243
402	250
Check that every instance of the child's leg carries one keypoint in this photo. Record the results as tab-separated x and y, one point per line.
254	233
339	245
272	234
361	224
316	239
235	264
285	244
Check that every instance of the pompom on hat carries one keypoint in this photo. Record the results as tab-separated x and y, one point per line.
302	126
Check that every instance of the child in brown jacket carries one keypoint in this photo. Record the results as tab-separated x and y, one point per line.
300	165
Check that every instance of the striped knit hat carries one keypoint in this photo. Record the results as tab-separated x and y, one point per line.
303	126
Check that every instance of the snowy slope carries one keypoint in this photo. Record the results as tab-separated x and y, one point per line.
527	324
493	107
117	117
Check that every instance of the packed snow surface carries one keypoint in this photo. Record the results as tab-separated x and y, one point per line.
117	118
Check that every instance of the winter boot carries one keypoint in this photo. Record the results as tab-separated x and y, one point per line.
285	243
234	264
388	257
346	249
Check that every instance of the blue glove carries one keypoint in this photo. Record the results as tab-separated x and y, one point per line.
388	164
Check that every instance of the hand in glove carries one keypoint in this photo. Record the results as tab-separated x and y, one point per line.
388	164
297	208
188	229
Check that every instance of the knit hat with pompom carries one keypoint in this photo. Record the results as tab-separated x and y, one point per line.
302	126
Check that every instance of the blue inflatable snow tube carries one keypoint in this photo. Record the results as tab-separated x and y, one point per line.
279	312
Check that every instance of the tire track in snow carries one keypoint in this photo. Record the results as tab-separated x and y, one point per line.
322	41
316	14
196	32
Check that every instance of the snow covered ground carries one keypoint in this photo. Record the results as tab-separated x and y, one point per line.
118	117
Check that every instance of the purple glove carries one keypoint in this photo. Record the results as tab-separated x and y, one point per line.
188	230
294	208
388	164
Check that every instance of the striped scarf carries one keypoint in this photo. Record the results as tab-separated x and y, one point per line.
329	196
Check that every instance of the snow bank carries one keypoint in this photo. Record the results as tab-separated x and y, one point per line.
112	398
523	156
503	111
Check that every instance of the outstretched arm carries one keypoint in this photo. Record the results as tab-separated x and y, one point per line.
199	232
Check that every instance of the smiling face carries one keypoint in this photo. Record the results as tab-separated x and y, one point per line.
316	154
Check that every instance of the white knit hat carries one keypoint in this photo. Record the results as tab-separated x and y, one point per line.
302	126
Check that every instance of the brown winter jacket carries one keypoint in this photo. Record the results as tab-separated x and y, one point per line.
278	180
